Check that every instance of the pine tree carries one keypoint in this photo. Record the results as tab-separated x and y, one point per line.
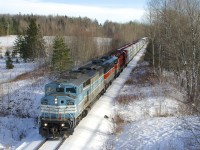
9	62
31	45
60	60
19	44
7	54
40	44
35	42
17	61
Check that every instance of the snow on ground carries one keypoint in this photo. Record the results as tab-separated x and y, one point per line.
19	68
19	101
6	43
14	129
19	109
153	116
164	133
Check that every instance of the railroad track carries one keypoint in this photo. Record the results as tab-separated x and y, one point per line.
50	144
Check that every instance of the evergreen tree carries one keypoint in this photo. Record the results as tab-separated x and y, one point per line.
31	45
34	41
17	61
18	46
7	54
60	60
9	62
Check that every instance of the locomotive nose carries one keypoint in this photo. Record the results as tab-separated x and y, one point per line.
50	100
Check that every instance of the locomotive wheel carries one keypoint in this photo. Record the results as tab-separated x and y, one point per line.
84	113
103	91
78	119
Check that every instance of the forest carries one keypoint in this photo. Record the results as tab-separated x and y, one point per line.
175	44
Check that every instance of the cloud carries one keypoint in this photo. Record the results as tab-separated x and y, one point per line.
46	8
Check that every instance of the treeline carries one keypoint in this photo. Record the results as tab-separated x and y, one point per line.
78	34
70	26
175	37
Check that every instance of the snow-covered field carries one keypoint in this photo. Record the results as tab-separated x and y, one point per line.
151	114
165	133
19	68
6	43
19	100
19	109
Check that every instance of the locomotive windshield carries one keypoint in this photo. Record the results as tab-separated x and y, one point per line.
59	89
71	90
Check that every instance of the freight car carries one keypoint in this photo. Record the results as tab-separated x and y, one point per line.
68	100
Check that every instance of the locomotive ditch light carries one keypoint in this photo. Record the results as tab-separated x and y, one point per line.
62	125
45	124
56	101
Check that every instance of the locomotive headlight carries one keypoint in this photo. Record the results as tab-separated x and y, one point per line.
45	124
62	125
56	101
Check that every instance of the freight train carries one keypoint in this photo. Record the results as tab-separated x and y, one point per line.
68	99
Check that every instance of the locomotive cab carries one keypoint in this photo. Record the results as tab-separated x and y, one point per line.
55	88
58	110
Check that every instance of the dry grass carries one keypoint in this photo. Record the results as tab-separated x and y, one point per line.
143	75
118	124
126	99
129	81
149	78
33	74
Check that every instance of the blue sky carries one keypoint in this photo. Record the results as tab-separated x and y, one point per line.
114	10
104	3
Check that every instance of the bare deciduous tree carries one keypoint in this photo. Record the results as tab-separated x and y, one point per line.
175	33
